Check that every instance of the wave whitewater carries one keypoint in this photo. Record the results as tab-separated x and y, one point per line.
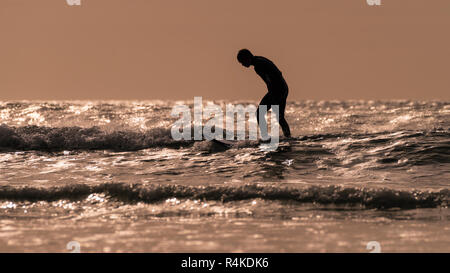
34	137
78	138
322	195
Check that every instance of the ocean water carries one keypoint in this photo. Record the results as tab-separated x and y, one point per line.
109	176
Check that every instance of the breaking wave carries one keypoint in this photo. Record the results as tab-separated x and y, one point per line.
76	138
398	148
326	195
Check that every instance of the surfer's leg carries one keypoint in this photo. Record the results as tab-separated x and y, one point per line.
282	121
267	102
283	91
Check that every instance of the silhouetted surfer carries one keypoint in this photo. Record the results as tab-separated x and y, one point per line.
276	86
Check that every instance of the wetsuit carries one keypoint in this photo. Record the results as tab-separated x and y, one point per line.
277	90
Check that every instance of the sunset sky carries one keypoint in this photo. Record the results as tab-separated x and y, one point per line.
178	49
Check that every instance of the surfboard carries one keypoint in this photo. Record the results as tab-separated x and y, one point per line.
224	142
265	145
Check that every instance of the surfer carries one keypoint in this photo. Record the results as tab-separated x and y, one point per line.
276	86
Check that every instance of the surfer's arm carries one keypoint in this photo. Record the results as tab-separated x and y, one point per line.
265	76
267	80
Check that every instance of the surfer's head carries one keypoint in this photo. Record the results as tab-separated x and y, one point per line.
245	57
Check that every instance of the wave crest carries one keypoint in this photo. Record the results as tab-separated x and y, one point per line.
338	195
74	138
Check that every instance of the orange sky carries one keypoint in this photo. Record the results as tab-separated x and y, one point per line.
178	49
